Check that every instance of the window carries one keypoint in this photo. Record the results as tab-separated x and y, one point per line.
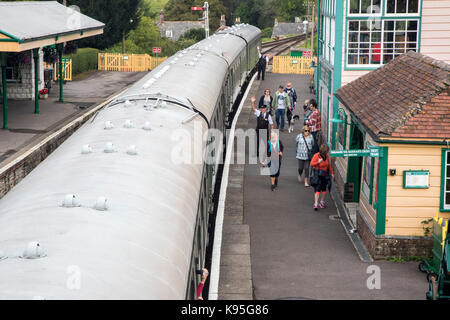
169	34
376	43
364	7
445	180
402	7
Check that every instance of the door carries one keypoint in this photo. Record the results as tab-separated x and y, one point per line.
354	170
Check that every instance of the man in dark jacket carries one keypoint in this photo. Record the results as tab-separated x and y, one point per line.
264	122
262	65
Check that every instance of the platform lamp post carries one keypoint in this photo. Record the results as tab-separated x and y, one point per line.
60	48
36	80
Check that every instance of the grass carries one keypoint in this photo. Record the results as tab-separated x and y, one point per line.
404	259
85	59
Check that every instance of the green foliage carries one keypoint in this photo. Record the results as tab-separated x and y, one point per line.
267	32
116	15
145	37
85	59
404	259
180	10
426	227
194	34
287	10
151	8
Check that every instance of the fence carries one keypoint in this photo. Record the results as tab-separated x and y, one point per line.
127	62
293	65
67	69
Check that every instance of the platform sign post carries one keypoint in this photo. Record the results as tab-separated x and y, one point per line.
156	50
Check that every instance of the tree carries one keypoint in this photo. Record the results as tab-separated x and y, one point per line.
260	13
287	10
116	15
193	34
180	10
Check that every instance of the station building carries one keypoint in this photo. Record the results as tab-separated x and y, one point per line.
392	153
25	29
358	36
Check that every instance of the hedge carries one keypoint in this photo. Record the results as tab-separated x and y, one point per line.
85	59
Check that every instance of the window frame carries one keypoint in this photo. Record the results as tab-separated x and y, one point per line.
349	66
419	9
443	206
378	14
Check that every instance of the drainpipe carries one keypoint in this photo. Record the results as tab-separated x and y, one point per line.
4	90
36	80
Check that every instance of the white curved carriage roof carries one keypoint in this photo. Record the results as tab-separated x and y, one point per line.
151	220
141	247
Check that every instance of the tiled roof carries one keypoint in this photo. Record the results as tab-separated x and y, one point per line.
29	20
408	97
285	28
178	28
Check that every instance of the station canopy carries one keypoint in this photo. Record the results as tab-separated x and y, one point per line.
34	24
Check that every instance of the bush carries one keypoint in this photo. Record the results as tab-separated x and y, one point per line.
267	32
85	59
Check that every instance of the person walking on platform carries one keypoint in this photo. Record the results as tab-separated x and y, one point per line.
322	172
293	100
262	65
305	143
266	100
263	124
274	155
280	103
307	112
315	123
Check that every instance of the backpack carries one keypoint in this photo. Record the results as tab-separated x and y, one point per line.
262	61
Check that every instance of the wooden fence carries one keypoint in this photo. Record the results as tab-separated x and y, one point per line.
67	69
293	65
128	62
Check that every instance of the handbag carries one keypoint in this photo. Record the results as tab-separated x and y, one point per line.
314	177
310	152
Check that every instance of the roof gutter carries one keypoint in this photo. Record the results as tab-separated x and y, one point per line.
60	34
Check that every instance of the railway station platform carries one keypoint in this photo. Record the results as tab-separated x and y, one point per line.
275	246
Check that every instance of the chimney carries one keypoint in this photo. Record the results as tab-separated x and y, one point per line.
222	20
276	22
161	17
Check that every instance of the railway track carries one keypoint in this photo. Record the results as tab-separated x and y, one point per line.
277	47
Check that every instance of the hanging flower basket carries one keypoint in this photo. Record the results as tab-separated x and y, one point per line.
43	94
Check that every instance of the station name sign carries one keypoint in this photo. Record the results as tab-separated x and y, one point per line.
374	152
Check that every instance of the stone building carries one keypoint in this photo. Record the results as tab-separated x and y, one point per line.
175	29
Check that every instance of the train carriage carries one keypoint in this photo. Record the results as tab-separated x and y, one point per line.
113	213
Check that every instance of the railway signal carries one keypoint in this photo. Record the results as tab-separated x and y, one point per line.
205	18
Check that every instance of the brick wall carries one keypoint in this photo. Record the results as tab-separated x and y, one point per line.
382	247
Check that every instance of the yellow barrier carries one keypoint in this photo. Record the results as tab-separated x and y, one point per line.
128	62
293	65
67	71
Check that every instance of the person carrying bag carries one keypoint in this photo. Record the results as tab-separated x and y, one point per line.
321	174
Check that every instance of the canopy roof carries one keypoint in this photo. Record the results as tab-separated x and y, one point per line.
28	25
